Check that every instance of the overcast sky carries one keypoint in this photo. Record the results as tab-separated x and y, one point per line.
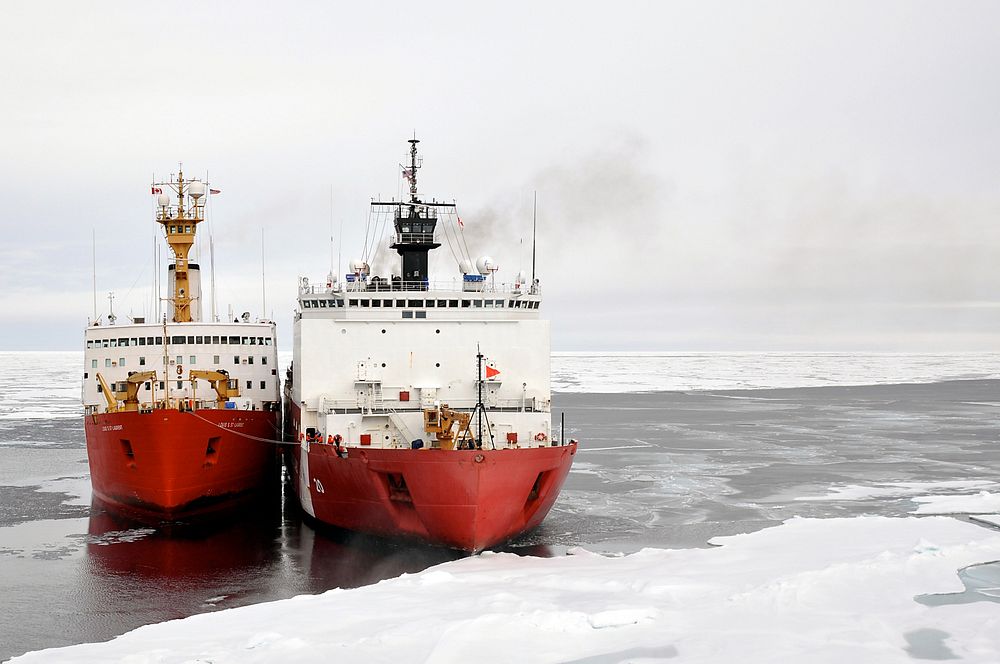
710	175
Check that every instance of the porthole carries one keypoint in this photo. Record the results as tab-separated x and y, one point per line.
437	331
343	330
383	331
383	365
437	364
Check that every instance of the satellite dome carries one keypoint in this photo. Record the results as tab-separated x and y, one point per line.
359	266
465	267
163	200
485	265
196	189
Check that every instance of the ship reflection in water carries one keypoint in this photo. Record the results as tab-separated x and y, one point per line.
140	574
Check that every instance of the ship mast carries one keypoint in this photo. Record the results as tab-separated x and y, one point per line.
180	226
414	224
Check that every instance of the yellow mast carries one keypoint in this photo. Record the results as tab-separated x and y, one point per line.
180	225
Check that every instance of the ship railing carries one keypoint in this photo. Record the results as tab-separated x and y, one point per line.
394	406
411	238
365	284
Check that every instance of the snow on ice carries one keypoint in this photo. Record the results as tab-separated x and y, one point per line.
808	590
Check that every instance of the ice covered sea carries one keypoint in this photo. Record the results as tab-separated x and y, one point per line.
723	507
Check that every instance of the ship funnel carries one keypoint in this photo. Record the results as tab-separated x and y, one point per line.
194	294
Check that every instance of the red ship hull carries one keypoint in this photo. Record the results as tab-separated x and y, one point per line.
171	465
463	499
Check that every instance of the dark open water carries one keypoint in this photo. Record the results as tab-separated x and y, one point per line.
664	469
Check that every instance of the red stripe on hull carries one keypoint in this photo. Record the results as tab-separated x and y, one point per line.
464	499
169	464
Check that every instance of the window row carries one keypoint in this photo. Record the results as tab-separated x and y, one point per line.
430	304
181	386
192	360
178	339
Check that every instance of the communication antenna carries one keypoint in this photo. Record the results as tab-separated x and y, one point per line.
93	237
534	226
211	251
263	284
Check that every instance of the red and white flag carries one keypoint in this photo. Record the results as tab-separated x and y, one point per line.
215	191
155	190
408	175
460	224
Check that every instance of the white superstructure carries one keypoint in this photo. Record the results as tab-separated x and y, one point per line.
373	352
241	353
246	351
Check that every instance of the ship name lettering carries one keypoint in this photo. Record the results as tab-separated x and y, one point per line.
112	427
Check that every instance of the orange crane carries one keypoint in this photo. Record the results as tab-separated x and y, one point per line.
125	391
224	386
442	420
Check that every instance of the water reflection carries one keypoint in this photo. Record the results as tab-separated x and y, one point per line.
137	573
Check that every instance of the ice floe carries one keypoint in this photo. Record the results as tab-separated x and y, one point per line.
816	590
983	502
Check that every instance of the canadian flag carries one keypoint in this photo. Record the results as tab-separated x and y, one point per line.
155	190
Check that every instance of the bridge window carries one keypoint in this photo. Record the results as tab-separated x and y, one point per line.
407	314
190	340
352	303
400	303
430	303
199	340
263	359
121	361
306	305
415	303
215	359
236	359
421	314
191	359
142	361
263	385
180	359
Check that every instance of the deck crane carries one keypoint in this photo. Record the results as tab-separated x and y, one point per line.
442	420
224	386
123	395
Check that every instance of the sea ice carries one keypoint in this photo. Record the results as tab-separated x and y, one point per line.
816	590
983	502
